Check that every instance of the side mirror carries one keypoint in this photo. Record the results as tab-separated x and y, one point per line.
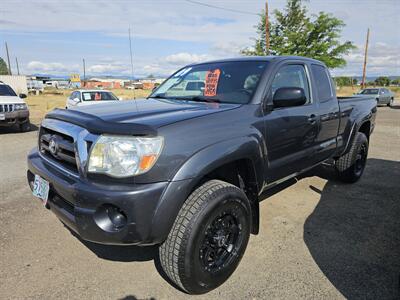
121	98
289	96
22	96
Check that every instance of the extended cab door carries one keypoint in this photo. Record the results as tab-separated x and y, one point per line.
329	111
290	132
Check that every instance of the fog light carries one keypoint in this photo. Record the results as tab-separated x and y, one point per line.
116	216
110	218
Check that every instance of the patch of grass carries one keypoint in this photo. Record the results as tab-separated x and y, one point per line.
39	105
349	91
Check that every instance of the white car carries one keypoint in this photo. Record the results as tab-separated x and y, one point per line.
13	110
89	97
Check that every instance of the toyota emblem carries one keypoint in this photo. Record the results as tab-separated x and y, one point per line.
53	146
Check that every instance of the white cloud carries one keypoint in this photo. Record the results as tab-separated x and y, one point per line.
108	69
383	59
53	67
184	58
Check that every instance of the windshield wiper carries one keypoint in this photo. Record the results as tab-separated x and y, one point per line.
200	99
159	96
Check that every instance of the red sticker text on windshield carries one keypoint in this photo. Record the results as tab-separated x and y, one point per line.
212	77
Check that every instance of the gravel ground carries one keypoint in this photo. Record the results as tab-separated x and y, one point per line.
318	239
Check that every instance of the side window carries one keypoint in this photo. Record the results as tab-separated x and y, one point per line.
322	83
292	76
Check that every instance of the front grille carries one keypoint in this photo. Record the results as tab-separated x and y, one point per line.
58	147
6	108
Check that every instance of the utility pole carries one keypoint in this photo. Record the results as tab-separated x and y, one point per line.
267	42
365	61
8	59
84	72
16	61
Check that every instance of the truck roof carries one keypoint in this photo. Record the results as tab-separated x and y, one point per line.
261	58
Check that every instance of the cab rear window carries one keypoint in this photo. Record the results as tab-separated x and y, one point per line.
322	82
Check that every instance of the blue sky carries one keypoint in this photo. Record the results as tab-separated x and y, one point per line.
53	36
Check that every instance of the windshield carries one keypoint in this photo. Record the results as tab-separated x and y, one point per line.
5	90
225	82
370	92
98	96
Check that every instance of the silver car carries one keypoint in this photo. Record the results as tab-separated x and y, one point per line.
383	95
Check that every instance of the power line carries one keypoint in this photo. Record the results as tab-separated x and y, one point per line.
223	8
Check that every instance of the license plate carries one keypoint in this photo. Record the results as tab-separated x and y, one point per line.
2	117
41	189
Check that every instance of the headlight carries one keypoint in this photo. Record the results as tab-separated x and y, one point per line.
124	156
21	106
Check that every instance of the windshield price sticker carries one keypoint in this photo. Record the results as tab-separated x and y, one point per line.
212	77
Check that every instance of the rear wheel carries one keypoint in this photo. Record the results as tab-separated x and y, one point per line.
350	166
208	238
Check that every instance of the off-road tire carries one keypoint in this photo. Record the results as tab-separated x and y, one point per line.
182	254
25	127
350	166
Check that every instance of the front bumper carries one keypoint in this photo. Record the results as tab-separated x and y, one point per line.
14	117
77	203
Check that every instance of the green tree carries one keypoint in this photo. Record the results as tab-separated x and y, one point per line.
293	32
382	81
396	81
345	81
3	67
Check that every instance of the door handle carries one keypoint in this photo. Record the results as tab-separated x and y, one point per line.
312	119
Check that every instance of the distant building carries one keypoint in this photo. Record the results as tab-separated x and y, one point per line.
101	83
151	83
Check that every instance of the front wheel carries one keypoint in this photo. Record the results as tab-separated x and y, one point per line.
25	127
208	238
351	166
390	104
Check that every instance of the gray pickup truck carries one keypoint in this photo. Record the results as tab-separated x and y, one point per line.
186	168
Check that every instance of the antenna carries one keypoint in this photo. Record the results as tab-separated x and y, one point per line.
84	72
130	51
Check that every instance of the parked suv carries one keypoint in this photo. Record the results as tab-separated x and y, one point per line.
13	110
186	168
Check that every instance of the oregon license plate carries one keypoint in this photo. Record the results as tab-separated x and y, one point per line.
2	117
41	189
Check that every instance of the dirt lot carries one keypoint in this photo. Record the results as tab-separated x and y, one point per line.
319	239
52	98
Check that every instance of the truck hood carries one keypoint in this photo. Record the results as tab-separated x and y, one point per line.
10	100
153	112
142	116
